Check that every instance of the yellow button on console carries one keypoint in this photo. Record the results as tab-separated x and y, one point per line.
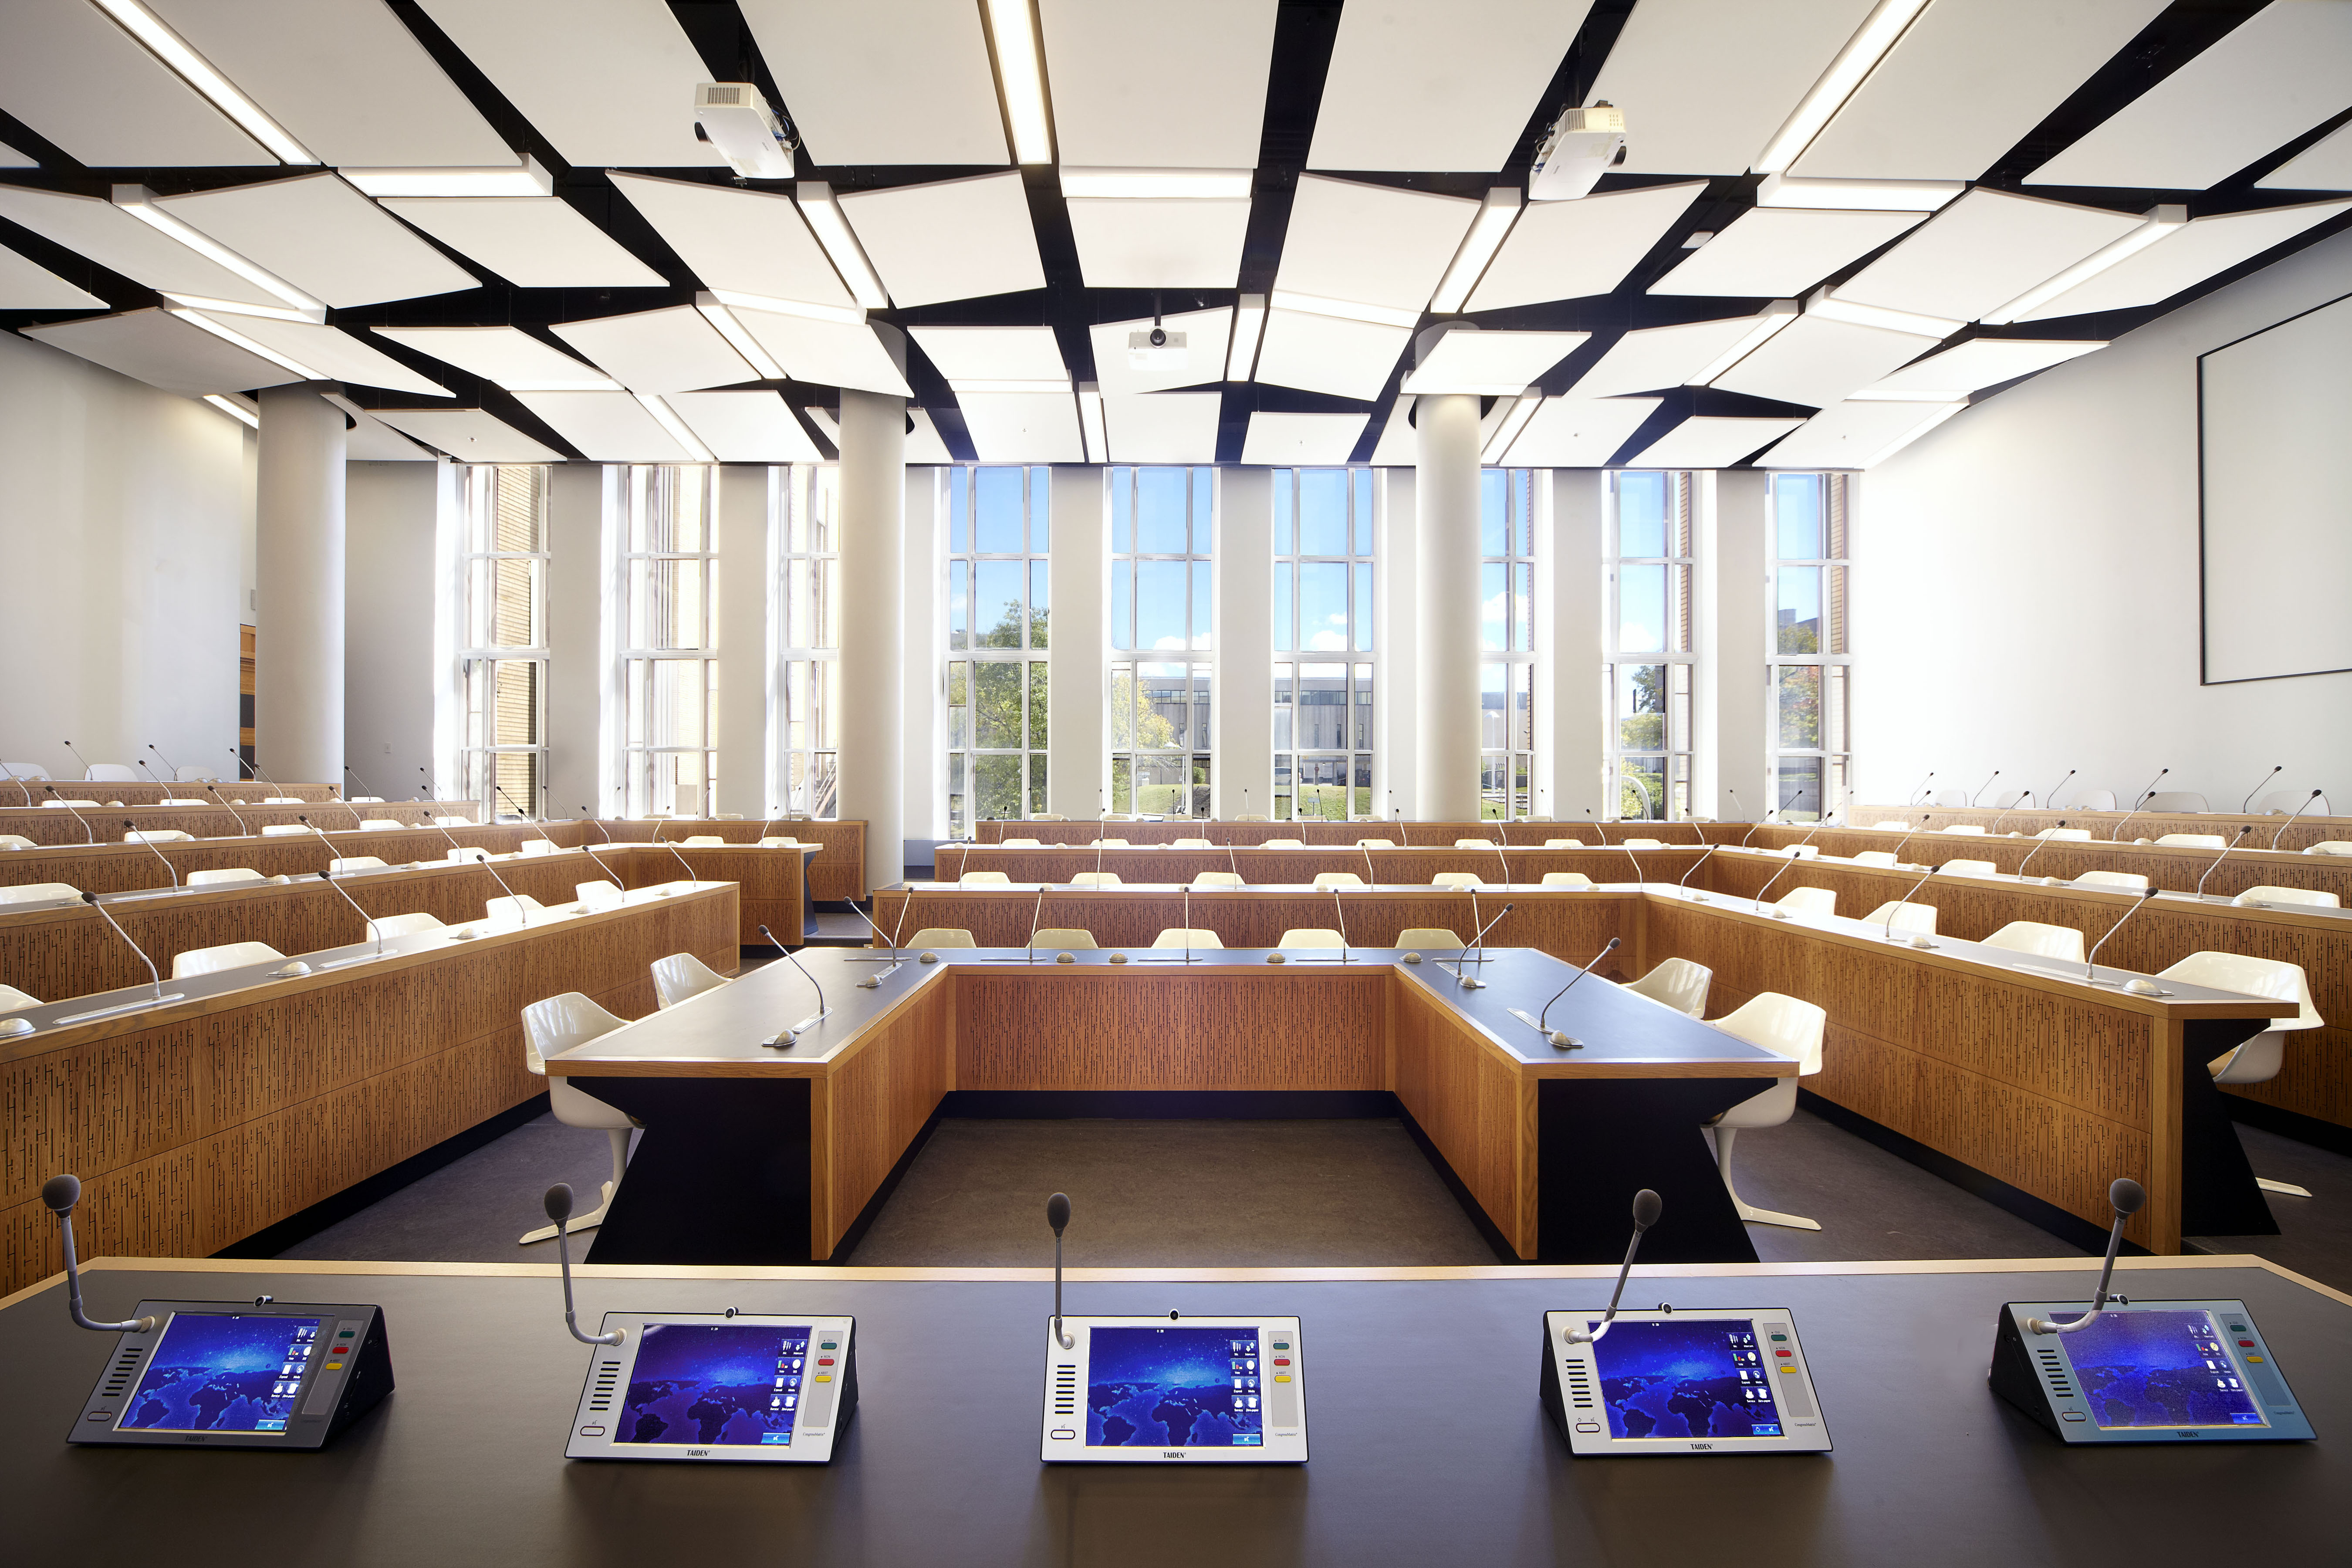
824	1377
1282	1377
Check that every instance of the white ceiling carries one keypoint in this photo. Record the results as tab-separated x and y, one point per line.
1396	449
1281	440
1653	357
1817	361
1325	353
1980	363
12	159
507	356
672	350
1493	364
829	354
1208	334
1966	82
1710	442
1774	253
106	235
1444	86
1157	83
994	249
1579	432
1371	245
1854	435
924	444
73	76
1567	250
532	242
747	427
2188	255
27	286
745	242
1983	251
1024	427
162	350
468	435
2324	165
369	440
333	354
606	427
1164	426
2273	78
324	237
883	81
994	353
1148	242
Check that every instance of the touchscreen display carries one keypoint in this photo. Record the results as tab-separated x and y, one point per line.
1173	1388
713	1383
1685	1377
222	1371
2159	1369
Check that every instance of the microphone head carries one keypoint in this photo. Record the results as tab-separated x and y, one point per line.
1647	1206
89	898
2127	1195
60	1193
1614	943
558	1202
1057	1212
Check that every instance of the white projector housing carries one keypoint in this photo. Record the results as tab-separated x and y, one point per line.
1581	147
1168	353
735	118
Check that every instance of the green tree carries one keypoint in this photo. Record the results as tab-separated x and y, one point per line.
999	722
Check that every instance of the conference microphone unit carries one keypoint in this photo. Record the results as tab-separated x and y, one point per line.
79	758
1919	939
1925	817
130	835
1057	1214
1647	1206
1470	982
242	830
2039	846
243	768
537	821
1035	914
2224	855
87	831
1541	1024
1501	857
788	1037
2142	799
1913	798
558	1203
600	828
673	853
1982	788
1639	879
2050	801
873	982
2298	811
21	787
365	788
2258	787
2138	984
155	978
1339	918
1684	883
60	1193
165	760
1769	814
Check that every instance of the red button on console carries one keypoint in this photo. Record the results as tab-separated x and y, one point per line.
1282	1360
824	1361
1780	1353
2248	1343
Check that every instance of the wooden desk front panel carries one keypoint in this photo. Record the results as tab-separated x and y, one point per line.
839	871
106	823
147	792
1406	835
1264	867
1477	1109
2170	866
864	1113
2302	832
127	868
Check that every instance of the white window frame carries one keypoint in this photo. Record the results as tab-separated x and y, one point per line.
1509	779
804	640
479	760
1130	664
960	484
644	790
1357	657
1825	769
1665	787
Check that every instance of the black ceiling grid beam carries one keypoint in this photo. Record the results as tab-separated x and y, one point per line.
2238	192
492	105
119	294
1579	67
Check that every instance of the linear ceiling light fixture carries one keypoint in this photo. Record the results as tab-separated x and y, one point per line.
1858	196
1014	29
1822	304
1008	383
1090	423
1507	430
1165	185
198	72
1495	215
140	202
526	178
237	411
230	335
826	221
716	313
2160	222
840	315
1771	320
1345	309
670	421
1856	61
240	308
1249	326
1913	434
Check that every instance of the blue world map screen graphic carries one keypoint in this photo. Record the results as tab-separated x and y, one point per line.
222	1372
2159	1369
1697	1377
711	1384
1173	1388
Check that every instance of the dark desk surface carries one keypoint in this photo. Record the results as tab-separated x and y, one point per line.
465	1463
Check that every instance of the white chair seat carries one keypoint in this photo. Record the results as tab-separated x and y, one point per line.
217	879
453	822
2192	840
363	800
1284	843
36	771
229	956
353	863
62	804
1676	983
1109	844
1063	938
520	908
157	836
1310	936
941	936
16	841
2091	800
1876	858
1563	843
2071	835
180	800
283	830
1003	843
1898	915
1189	844
530	846
2330	847
1047	816
779	843
2111	879
1566	879
1426	937
1646	843
11	999
1096	880
550	1028
1475	844
1457	880
111	773
1181	936
380	824
983	879
2175	800
1967	868
1218	879
599	894
404	925
2040	940
283	800
681	977
2266	894
38	892
2286	802
1892	825
1964	829
1375	844
701	841
1244	817
1808	901
1789	1028
1325	880
2259	1058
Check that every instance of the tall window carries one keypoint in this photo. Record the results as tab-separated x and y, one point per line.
1506	668
670	671
1811	757
1649	667
999	533
805	712
1323	644
1163	540
503	664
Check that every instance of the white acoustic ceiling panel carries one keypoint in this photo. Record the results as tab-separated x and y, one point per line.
1706	83
1964	83
826	354
746	427
1773	253
1710	442
1980	363
370	440
468	435
1817	361
609	82
2274	75
329	353
1371	245
672	350
607	426
1856	435
1325	353
745	242
952	239
1983	251
81	81
508	356
532	242
324	237
12	159
160	350
1207	335
1147	243
344	78
924	442
1567	250
1164	426
884	82
2324	165
1159	83
2188	256
1579	432
29	286
111	236
1022	426
1285	440
1491	363
994	353
1655	357
1445	86
1397	448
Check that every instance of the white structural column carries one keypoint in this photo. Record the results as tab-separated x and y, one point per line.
1396	705
1241	714
926	689
745	500
1731	663
873	625
1077	654
583	764
1445	493
297	657
1571	720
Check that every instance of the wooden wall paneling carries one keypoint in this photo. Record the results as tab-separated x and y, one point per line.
837	873
1473	1108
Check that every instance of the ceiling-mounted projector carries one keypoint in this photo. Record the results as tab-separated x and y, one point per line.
1156	347
1582	145
734	117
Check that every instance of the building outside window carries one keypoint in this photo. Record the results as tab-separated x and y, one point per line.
804	703
1163	543
1507	667
670	671
1811	758
999	537
502	665
1649	664
1323	670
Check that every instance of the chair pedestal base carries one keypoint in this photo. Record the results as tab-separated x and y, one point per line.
620	1139
1749	1213
2289	1188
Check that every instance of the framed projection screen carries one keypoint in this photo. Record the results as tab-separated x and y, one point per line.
2274	519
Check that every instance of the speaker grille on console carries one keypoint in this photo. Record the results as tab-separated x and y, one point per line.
1066	1391
1579	1384
600	1393
118	1378
2054	1373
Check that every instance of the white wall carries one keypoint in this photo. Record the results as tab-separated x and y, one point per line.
2027	596
122	543
388	663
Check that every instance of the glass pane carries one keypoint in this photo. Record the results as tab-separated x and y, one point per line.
1491	696
996	511
1364	603
1834	610
1678	707
1798	788
1122	511
1494	605
1642	514
1160	511
996	782
1037	783
959	605
515	618
1323	605
1167	695
1285	485
1323	511
1362	738
1364	519
1799	626
958	484
1641	707
1041	510
1282	584
1797	515
828	704
1282	786
959	706
516	774
996	706
1322	788
517	712
1523	608
1493	513
1160	784
1523	707
958	810
1642	609
1037	687
681	702
1799	698
1284	709
1122	605
1322	707
1204	603
1833	710
1642	788
997	614
1122	796
1040	600
1204	495
1159	613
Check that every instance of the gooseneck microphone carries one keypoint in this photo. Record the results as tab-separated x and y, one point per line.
79	758
244	769
538	822
2050	801
1340	919
1470	982
2091	965
77	816
1793	859
60	1193
2127	1195
608	836
1057	1214
1499	855
1758	823
2224	855
790	1034
1925	817
1035	915
1639	879
18	783
1904	900
2040	844
1982	788
1647	1206
214	790
1371	878
2258	787
357	779
2141	800
1913	798
674	854
367	922
521	914
1541	1024
1694	864
133	836
2290	821
165	760
152	973
559	1209
873	982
